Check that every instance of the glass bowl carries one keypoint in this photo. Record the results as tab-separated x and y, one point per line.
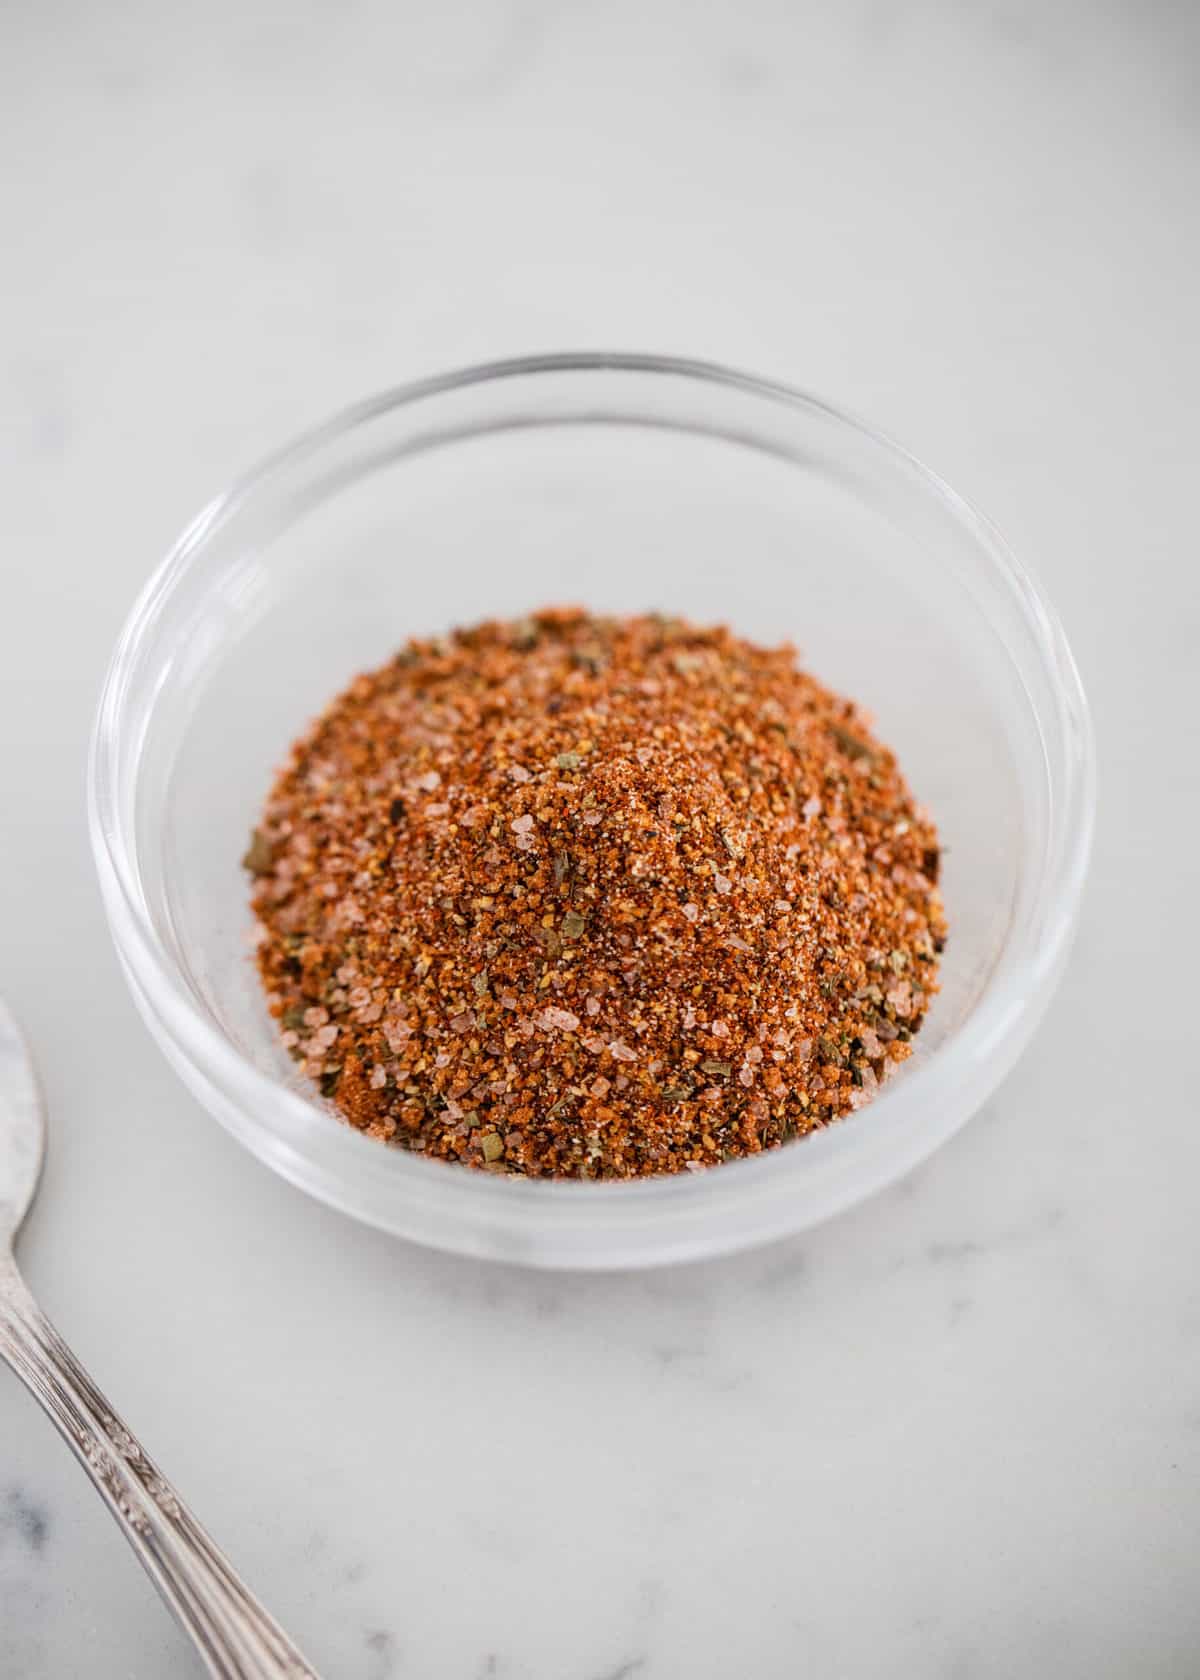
626	484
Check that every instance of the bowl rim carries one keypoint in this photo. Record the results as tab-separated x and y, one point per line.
577	1223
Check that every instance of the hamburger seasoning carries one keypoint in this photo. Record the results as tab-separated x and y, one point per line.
594	898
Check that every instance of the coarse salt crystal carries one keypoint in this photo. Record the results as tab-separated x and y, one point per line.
621	1052
691	911
523	824
378	1078
900	997
429	782
810	808
519	773
722	883
462	1023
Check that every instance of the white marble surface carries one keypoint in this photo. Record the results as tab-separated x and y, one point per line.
955	1434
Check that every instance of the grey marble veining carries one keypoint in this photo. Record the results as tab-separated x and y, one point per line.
953	1435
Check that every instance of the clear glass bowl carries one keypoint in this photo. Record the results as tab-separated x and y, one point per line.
624	483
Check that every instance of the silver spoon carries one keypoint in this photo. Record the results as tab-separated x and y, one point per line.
235	1636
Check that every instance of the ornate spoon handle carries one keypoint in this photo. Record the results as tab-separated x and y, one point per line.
235	1636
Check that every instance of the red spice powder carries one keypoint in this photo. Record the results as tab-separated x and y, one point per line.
594	898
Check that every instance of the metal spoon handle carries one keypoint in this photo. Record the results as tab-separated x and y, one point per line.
236	1637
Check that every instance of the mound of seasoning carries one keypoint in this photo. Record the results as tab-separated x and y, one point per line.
594	898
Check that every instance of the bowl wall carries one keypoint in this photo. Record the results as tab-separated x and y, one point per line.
624	486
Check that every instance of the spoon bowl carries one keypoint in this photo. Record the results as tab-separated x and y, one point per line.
22	1129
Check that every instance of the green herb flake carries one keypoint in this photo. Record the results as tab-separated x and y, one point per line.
260	854
723	1069
569	760
686	664
573	925
493	1146
849	743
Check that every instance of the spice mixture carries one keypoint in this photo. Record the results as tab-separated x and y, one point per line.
594	898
